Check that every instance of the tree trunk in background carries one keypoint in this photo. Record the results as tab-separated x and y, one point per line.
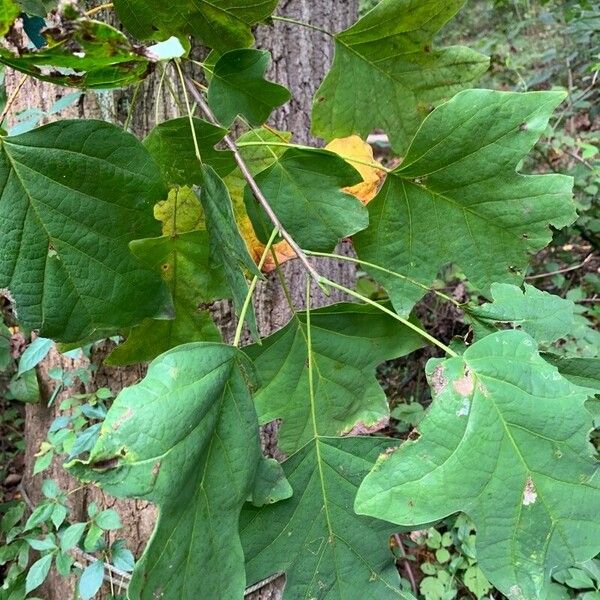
301	58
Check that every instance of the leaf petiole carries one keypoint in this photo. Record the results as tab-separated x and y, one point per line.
406	322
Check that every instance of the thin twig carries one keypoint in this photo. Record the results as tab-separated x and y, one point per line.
579	159
13	97
561	271
97	9
407	567
199	99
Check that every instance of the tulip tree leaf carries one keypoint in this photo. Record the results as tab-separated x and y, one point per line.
506	442
315	538
545	317
198	470
457	197
386	75
183	261
172	146
584	372
304	188
348	342
227	248
237	87
99	56
64	235
220	24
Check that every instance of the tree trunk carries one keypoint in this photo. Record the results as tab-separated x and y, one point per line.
301	58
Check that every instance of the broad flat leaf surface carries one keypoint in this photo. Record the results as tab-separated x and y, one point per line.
304	188
73	194
9	11
220	24
228	251
457	197
238	87
180	213
183	261
584	372
172	146
324	548
506	442
99	56
545	317
386	74
348	342
186	439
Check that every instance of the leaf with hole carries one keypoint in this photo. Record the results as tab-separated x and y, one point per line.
506	442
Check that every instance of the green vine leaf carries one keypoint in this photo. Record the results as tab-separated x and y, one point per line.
304	188
227	248
324	548
199	470
99	55
505	441
386	74
584	372
457	197
172	145
9	11
545	317
219	24
183	261
237	87
348	342
64	235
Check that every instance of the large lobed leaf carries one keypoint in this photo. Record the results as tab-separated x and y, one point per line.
457	197
505	441
325	550
387	75
73	194
220	24
186	439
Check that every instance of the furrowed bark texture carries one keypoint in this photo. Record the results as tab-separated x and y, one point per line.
301	58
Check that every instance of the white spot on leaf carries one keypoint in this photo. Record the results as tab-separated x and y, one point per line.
530	494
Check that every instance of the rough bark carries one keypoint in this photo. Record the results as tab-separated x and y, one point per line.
301	58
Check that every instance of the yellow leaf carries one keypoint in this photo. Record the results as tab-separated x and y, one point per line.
354	147
180	212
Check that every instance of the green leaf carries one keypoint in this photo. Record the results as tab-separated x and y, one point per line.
348	341
71	536
325	550
91	580
73	194
98	56
270	485
40	514
198	471
184	263
228	252
545	317
506	442
304	188
171	144
386	75
237	87
63	563
219	24
584	372
37	573
457	197
9	11
25	388
476	582
108	520
34	354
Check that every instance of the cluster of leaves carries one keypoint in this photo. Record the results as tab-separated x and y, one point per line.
506	438
48	532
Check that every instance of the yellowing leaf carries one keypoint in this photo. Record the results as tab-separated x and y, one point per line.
180	212
354	147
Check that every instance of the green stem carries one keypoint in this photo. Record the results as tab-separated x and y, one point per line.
301	24
350	159
384	270
283	282
240	326
392	314
134	100
189	112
